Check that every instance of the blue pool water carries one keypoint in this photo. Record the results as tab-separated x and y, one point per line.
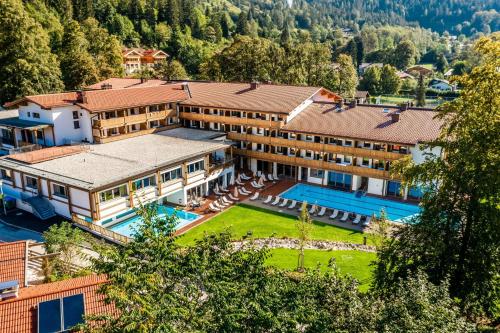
10	233
128	226
349	201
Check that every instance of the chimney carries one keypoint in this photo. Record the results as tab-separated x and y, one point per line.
341	103
404	106
80	96
395	117
143	79
106	86
185	87
254	85
353	103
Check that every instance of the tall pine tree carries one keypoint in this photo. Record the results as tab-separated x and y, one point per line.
78	68
26	64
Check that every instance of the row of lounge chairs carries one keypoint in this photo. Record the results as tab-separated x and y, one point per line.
318	210
226	198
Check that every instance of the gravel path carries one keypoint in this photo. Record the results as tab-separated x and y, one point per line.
290	243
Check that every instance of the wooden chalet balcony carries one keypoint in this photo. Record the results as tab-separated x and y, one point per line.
317	147
315	164
99	139
134	119
212	118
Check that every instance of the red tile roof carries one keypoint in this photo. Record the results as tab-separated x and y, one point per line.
20	314
367	122
119	83
239	96
47	101
111	99
13	262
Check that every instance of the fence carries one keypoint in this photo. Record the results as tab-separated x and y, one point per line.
101	231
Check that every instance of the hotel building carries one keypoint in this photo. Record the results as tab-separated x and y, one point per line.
171	142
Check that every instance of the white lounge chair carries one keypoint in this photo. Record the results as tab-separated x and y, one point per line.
244	177
218	205
244	190
240	191
259	173
233	197
216	191
357	219
255	185
322	211
227	201
213	208
276	201
238	182
255	196
268	199
224	189
335	214
300	208
313	209
367	221
293	204
284	203
344	217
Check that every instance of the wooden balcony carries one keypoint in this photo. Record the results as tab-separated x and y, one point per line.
99	139
134	119
315	164
317	147
211	118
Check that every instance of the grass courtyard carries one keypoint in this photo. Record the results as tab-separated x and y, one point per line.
262	223
242	219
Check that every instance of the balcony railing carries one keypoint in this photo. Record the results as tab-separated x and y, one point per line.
212	118
220	164
314	146
315	164
134	119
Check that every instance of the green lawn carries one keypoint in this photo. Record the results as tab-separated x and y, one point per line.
263	223
354	263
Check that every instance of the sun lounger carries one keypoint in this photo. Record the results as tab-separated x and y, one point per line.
259	173
227	201
335	214
293	204
255	185
268	199
213	208
233	197
223	189
322	211
356	219
244	177
313	209
244	190
367	221
276	201
344	217
240	191
300	208
255	196
238	182
284	203
218	205
217	192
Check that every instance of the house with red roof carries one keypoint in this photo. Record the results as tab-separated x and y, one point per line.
135	59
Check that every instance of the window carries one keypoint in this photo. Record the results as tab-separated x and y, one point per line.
75	114
366	161
348	143
6	174
59	190
309	137
76	124
116	192
170	120
196	166
394	188
154	108
36	115
31	183
338	179
415	192
171	175
308	154
29	114
347	160
366	144
143	183
154	124
316	173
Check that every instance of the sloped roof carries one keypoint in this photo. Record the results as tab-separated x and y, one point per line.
20	314
13	262
120	83
47	101
239	96
367	122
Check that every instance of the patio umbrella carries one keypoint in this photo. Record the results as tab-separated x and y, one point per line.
235	192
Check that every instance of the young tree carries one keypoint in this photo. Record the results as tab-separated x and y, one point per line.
371	80
420	92
441	63
170	70
347	77
242	25
389	80
78	69
457	234
27	65
304	227
404	55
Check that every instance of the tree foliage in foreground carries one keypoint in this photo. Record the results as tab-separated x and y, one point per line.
457	236
157	286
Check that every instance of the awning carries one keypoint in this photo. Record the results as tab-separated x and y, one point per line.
15	122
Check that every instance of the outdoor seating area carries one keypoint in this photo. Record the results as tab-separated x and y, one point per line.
319	211
245	187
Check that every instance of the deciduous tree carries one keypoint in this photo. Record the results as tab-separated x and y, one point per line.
389	80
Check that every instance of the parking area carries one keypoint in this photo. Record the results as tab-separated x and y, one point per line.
21	225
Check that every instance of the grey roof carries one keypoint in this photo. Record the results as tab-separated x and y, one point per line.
193	134
108	163
21	123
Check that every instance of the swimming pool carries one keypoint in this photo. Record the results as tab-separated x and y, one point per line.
348	201
128	226
10	233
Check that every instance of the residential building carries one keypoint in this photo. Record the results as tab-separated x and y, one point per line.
172	142
365	65
137	59
441	85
